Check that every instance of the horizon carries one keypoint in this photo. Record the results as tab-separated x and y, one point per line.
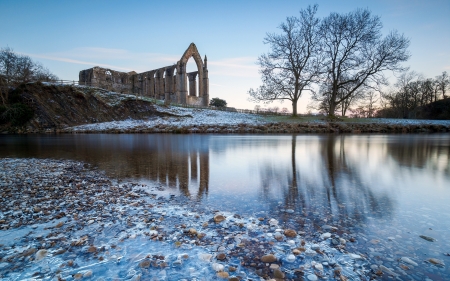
154	35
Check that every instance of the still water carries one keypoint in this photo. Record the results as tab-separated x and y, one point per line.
385	191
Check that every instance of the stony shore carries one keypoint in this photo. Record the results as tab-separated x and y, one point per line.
64	220
269	128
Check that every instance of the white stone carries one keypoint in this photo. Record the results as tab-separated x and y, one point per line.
326	235
290	258
311	277
408	260
41	254
218	267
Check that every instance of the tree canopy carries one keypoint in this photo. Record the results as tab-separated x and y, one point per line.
342	54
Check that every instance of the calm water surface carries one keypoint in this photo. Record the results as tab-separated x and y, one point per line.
383	190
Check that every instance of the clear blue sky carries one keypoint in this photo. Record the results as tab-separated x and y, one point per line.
68	36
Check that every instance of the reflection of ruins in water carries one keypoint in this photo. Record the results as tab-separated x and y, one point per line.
181	170
174	161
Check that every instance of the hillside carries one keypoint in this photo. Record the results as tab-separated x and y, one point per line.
60	106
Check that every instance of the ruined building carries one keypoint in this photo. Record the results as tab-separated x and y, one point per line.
169	83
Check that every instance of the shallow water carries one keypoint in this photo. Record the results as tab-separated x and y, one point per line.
381	191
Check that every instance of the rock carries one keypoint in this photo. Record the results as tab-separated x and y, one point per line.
274	266
92	249
78	276
232	269
222	274
218	267
221	256
436	262
290	258
205	257
325	236
41	254
268	258
233	279
87	274
192	231
290	233
273	222
144	264
278	274
355	256
408	260
428	238
311	277
296	252
219	218
318	266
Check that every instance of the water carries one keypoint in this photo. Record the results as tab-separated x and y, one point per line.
380	191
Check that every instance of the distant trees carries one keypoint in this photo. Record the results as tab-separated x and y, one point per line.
218	102
411	92
344	54
16	68
292	64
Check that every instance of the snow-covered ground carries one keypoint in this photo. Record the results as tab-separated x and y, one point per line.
185	117
188	117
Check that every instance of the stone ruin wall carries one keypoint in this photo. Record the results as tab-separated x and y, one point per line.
171	83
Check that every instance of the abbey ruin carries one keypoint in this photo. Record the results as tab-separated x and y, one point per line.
169	83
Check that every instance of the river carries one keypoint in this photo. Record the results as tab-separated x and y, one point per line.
379	192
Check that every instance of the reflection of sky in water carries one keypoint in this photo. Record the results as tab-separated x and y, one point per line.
395	186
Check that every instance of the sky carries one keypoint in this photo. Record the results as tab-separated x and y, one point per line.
69	36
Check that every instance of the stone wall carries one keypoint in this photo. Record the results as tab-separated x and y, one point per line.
170	83
108	79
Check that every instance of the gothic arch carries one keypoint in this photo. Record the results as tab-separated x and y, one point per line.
203	87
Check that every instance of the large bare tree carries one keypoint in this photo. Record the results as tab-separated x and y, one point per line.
292	65
356	55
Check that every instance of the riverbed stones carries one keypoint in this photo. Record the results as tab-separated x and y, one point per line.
290	233
219	218
268	258
221	256
223	274
40	255
436	261
428	238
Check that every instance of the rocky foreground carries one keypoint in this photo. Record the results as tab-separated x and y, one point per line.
62	220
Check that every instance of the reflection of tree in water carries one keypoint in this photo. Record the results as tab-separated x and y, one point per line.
338	195
422	151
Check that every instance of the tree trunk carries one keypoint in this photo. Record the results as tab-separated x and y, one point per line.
294	108
332	109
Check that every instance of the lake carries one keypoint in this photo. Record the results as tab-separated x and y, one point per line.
387	195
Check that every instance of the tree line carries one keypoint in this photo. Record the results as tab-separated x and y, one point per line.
16	69
411	93
344	56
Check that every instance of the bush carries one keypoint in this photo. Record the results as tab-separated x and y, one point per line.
18	114
218	102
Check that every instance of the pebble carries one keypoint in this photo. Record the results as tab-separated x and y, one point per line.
40	255
436	262
219	218
290	258
312	277
408	260
290	233
218	267
268	258
222	274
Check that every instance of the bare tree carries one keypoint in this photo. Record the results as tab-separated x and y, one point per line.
356	55
442	83
292	65
16	69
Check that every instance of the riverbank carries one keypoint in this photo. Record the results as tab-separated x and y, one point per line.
80	109
63	219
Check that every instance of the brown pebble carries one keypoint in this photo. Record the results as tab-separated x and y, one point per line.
221	256
222	274
219	218
268	258
290	233
144	264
